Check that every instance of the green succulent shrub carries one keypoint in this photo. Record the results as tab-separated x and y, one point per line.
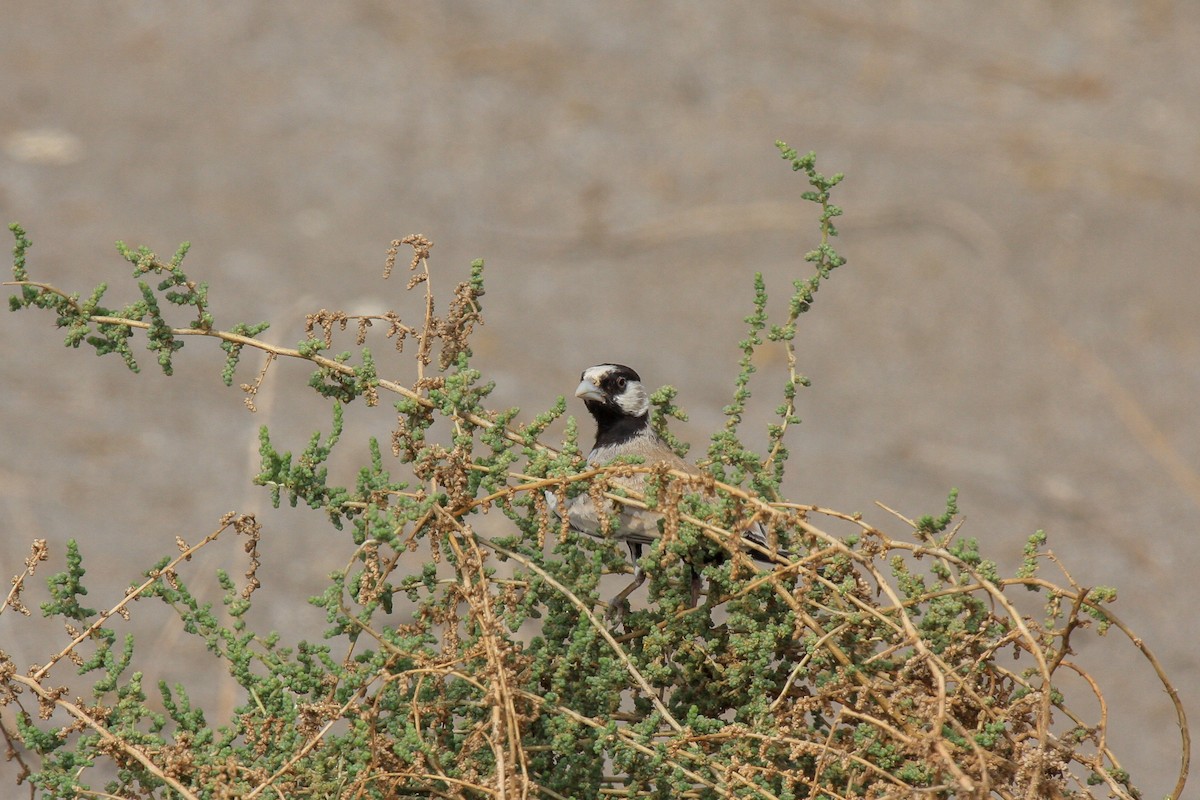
861	664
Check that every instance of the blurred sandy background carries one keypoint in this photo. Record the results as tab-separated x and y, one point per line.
1018	317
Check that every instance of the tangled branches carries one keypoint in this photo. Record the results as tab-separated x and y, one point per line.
844	673
468	653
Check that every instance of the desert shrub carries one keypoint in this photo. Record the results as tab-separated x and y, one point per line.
860	664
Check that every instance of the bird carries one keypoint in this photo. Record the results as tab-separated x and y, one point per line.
620	405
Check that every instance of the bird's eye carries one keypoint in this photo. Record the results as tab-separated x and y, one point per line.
621	383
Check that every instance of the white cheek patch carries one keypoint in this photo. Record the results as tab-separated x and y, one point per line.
633	401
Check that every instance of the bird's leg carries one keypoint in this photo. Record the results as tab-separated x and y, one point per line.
618	607
697	584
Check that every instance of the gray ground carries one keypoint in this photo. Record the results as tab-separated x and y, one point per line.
1017	318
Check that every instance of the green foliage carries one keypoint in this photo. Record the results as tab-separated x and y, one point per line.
67	587
108	330
663	408
731	460
458	663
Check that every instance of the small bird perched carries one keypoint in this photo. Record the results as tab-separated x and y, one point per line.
617	400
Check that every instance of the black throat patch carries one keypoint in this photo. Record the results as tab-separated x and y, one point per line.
613	426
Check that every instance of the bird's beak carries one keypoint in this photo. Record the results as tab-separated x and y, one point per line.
589	391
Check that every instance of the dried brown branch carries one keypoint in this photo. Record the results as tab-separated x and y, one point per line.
39	552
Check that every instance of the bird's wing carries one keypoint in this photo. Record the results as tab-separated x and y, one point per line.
625	523
636	525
